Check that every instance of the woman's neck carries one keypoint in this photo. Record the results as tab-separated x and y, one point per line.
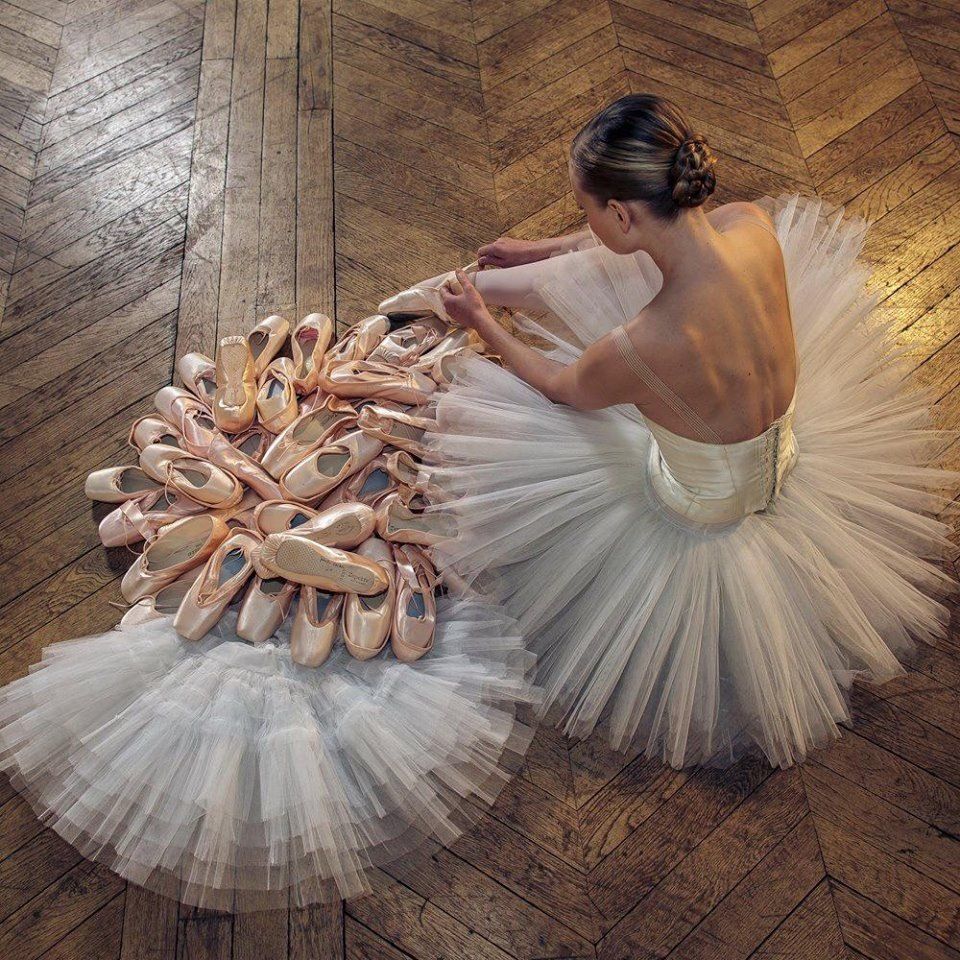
681	246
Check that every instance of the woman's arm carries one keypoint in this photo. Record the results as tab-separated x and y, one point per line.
589	383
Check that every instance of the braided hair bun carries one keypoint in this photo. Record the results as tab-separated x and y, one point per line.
692	173
642	147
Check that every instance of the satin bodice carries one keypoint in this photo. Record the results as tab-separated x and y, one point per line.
718	483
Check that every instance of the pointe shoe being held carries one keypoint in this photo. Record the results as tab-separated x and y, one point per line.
304	561
117	484
266	340
141	518
369	485
402	347
315	626
310	431
327	466
264	607
151	429
164	603
367	620
345	525
235	399
400	518
415	613
199	375
423	299
191	476
365	378
202	438
276	398
308	343
177	548
389	422
222	577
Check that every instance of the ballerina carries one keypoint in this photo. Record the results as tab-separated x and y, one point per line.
716	504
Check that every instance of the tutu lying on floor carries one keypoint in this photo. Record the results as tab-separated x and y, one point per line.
695	617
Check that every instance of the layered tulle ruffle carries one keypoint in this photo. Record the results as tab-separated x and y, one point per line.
227	776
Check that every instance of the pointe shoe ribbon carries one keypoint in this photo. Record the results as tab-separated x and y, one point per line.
424	298
141	519
202	438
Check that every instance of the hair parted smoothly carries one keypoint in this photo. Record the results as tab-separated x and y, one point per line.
641	147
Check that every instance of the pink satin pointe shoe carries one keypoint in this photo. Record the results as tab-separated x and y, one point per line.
401	347
364	378
199	375
445	368
117	484
315	626
278	516
141	518
367	620
424	298
368	485
235	400
151	429
309	342
192	476
266	340
252	443
264	608
327	466
405	470
276	397
345	525
164	603
355	344
400	518
177	548
455	340
415	613
393	425
222	577
310	431
304	561
202	438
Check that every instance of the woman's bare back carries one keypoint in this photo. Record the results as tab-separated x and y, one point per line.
721	336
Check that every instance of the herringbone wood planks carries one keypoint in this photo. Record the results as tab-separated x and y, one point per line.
171	170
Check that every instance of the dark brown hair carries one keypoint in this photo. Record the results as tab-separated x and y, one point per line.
641	147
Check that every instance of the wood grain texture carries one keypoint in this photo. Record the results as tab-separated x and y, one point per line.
172	170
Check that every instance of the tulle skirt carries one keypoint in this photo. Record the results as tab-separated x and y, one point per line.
227	776
685	642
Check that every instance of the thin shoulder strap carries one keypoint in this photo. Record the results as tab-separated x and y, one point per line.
760	223
633	360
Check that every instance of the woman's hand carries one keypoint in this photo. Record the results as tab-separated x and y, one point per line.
511	252
466	308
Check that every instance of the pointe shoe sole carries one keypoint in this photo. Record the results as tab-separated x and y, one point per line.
326	568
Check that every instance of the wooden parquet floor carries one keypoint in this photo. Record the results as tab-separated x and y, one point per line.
171	170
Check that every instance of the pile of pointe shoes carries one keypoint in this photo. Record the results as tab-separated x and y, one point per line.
289	466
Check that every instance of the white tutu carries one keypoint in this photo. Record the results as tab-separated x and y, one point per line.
689	643
227	776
